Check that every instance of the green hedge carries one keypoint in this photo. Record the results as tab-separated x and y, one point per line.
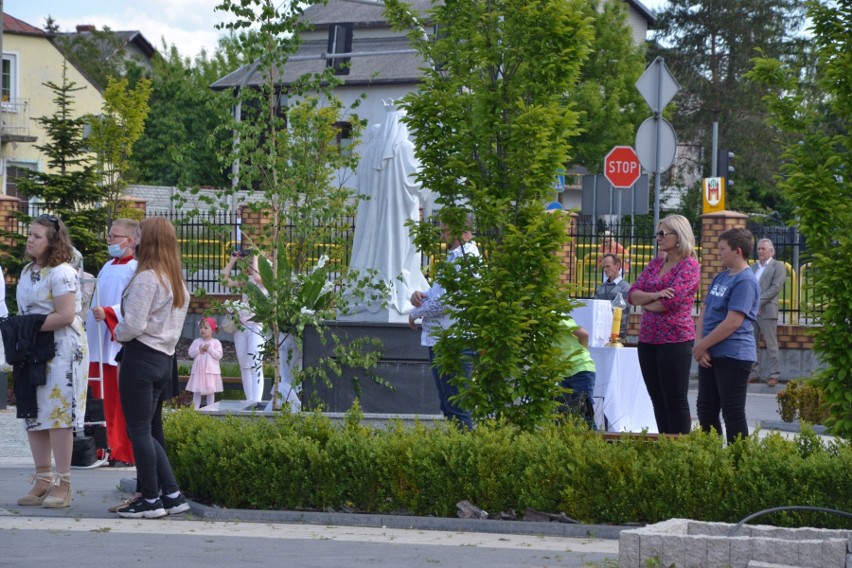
306	462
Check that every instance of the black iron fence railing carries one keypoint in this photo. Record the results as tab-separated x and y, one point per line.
207	239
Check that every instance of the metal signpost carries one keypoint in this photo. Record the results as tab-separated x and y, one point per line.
656	141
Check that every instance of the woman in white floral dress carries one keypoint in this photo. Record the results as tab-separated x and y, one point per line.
49	285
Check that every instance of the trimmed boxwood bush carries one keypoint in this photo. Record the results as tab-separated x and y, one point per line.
306	462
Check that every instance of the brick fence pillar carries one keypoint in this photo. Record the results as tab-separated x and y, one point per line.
253	223
713	225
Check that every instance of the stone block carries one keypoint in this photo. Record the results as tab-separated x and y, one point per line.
697	557
718	552
674	550
741	552
651	548
786	550
628	548
809	552
833	553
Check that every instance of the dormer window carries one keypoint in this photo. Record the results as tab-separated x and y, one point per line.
339	41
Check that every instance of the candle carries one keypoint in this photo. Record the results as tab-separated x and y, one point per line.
616	323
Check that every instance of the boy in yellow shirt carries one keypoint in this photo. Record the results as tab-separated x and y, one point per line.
581	373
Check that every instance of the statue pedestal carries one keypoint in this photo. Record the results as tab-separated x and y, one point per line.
404	363
384	315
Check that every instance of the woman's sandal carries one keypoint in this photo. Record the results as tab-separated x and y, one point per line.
772	382
53	502
30	500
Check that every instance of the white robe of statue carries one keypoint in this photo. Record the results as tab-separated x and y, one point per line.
386	176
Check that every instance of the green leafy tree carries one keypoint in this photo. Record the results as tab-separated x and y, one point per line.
709	47
114	133
287	153
97	53
69	188
187	128
491	130
610	107
816	177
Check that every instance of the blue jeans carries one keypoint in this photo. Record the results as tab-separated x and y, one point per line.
143	375
446	390
723	387
583	386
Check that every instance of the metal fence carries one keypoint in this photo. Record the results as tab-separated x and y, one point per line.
796	301
206	240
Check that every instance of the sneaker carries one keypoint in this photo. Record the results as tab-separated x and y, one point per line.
142	509
176	505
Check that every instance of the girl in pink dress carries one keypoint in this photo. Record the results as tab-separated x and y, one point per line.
206	376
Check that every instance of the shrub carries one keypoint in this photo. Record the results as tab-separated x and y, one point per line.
306	462
803	400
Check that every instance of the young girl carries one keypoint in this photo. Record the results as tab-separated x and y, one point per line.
206	376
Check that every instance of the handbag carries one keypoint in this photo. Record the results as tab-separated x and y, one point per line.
228	325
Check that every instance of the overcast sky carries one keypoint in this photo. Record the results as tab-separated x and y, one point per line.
188	24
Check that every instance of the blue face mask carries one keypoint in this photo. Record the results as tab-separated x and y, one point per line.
115	251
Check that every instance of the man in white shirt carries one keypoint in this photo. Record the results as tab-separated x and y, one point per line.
771	276
613	284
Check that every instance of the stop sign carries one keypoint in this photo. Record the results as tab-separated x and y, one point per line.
621	166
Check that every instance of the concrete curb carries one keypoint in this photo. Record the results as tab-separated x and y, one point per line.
207	513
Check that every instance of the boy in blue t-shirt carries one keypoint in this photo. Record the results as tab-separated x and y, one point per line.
724	343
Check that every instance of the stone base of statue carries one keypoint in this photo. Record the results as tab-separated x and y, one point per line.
404	364
383	315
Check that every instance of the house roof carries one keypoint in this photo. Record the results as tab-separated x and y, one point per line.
127	37
321	15
372	70
649	16
13	25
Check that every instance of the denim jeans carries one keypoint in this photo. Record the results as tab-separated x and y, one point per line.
583	386
143	375
723	387
446	390
665	369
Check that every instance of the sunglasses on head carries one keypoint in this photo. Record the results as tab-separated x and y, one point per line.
53	219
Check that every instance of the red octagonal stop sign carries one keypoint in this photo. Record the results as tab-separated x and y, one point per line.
621	166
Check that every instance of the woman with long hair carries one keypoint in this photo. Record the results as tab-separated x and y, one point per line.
49	286
154	306
666	291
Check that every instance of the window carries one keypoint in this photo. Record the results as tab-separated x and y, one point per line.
344	137
339	41
10	83
15	171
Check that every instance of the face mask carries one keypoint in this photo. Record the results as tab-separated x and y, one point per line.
115	251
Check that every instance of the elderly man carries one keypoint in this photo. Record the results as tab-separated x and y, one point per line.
613	284
771	275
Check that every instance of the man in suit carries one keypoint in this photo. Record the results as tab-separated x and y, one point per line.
771	275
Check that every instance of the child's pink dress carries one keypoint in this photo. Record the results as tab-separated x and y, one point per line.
206	376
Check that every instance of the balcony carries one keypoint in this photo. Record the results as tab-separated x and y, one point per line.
16	121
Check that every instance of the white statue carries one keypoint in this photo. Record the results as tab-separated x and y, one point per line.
386	177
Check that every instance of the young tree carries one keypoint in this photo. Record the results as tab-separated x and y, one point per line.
186	130
815	176
606	97
286	150
70	188
114	133
491	131
709	47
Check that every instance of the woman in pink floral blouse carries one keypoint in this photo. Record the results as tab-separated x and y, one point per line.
666	291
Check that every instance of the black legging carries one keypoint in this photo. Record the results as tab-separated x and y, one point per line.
665	369
723	387
143	375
